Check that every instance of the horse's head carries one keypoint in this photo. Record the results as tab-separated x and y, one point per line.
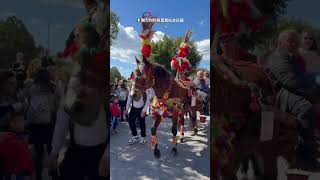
143	76
98	15
101	19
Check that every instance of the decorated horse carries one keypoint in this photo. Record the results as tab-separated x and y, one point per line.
243	100
238	118
88	64
172	98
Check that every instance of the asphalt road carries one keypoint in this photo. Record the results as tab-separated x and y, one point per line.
136	162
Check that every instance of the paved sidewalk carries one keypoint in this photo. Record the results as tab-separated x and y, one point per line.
136	162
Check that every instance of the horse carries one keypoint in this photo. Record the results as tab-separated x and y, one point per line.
88	69
233	87
166	89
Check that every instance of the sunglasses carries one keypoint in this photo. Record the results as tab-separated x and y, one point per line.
308	38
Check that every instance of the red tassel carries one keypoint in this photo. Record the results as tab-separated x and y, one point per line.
183	52
70	50
131	76
146	51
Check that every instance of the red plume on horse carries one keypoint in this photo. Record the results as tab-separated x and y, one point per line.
180	63
173	99
89	54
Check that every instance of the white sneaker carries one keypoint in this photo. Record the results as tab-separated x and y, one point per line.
142	140
133	140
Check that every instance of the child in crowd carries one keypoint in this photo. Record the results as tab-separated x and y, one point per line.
15	157
115	114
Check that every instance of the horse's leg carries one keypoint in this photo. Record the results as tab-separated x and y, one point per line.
174	131
181	125
193	119
154	143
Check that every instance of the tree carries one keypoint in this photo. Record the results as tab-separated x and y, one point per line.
273	10
163	51
284	24
114	73
114	29
14	37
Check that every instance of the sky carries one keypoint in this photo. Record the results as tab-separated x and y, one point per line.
307	10
128	44
63	15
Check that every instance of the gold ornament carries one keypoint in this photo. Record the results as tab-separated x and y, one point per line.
166	96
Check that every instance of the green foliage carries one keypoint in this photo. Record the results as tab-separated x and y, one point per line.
163	51
114	73
285	24
114	29
273	10
14	37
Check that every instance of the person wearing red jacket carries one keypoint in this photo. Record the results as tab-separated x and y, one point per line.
15	157
115	114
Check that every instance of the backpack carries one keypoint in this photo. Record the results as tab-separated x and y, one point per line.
39	107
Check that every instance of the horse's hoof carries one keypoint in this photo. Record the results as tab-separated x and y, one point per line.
174	151
157	153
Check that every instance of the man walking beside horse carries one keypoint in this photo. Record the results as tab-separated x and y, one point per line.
296	93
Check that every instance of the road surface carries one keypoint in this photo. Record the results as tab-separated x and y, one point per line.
136	162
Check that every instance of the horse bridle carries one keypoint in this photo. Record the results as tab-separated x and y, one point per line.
152	79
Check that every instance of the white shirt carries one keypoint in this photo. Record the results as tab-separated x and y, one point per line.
83	135
123	94
138	104
150	93
207	80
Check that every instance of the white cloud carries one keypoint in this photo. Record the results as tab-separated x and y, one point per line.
128	44
158	36
35	21
202	22
203	47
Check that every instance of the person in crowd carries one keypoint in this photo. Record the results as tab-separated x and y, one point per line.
138	104
231	51
310	52
15	156
20	68
41	106
123	95
150	96
206	78
296	93
115	114
202	90
8	91
86	154
33	69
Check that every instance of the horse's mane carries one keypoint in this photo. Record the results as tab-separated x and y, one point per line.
161	73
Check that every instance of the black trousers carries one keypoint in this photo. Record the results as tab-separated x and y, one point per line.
133	115
80	162
40	136
122	105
